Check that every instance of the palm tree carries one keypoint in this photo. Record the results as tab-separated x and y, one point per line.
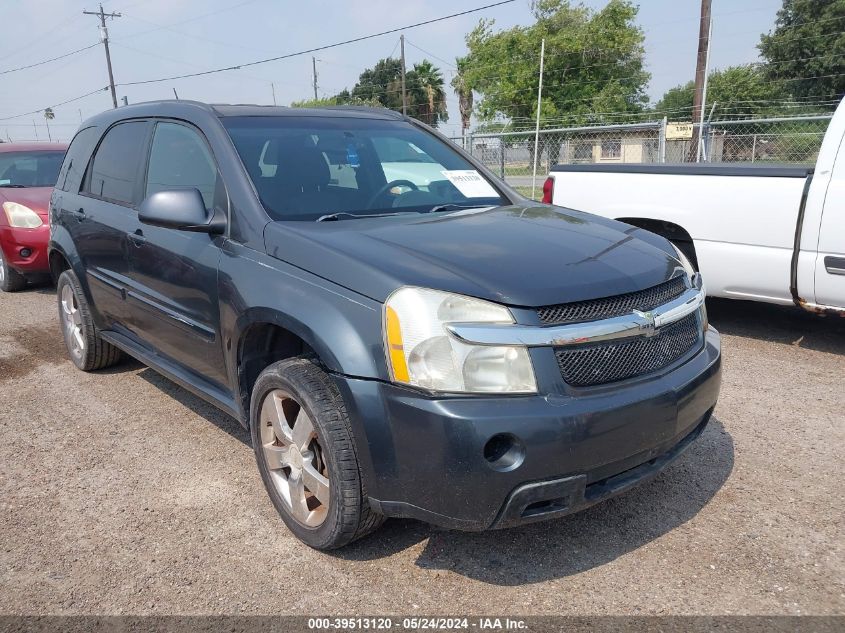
427	94
463	90
48	115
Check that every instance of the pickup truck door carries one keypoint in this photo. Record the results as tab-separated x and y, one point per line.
173	292
830	260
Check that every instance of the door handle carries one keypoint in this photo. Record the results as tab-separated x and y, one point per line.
78	214
137	238
834	265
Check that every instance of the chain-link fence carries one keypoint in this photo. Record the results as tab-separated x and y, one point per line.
772	140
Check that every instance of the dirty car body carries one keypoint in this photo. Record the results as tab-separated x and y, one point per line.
500	361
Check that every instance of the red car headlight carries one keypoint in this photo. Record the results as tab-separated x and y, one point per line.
20	216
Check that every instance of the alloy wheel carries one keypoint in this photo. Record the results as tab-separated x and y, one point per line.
72	321
2	269
295	458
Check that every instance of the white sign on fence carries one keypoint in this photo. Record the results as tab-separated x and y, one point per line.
678	131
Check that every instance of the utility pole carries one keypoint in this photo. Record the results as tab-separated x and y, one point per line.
273	88
104	35
404	95
701	68
314	73
537	129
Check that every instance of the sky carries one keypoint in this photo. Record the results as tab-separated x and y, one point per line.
162	38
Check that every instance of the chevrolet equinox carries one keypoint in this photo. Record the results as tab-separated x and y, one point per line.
402	333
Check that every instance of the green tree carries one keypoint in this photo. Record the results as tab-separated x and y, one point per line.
49	116
735	91
342	98
593	64
423	86
807	47
382	83
427	97
463	90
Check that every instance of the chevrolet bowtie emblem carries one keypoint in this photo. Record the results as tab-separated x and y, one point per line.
647	324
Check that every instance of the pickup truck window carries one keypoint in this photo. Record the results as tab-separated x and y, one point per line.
180	159
114	169
305	167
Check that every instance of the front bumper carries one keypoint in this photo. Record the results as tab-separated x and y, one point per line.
424	457
14	240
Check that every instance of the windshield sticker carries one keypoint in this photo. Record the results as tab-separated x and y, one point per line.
470	183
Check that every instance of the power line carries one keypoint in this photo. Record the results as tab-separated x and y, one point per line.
55	105
47	61
318	48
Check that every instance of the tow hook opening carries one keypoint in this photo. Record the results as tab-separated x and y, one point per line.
544	507
504	452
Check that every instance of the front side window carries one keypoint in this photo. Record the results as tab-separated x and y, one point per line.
30	169
114	171
304	167
180	159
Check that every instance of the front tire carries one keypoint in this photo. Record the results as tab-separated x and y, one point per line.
85	346
307	456
10	279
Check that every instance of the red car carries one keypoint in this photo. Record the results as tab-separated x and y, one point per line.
28	172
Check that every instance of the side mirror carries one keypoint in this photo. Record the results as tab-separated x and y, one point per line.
181	209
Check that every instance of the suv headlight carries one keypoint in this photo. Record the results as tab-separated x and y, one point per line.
422	353
20	216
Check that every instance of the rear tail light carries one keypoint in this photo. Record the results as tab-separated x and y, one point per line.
548	190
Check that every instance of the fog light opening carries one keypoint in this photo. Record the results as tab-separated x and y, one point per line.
504	452
25	252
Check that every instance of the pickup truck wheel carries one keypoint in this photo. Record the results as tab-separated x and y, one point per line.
10	279
86	348
307	456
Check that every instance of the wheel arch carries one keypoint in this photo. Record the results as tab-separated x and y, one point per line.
673	232
265	336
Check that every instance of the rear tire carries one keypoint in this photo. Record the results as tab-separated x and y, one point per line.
307	456
10	279
85	346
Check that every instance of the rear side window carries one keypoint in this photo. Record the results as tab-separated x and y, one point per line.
180	159
114	171
73	168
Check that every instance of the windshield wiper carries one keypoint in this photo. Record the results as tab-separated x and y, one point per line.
347	214
452	206
11	186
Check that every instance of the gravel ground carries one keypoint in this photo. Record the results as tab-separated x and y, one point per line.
123	493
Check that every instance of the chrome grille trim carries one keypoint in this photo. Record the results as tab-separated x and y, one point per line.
637	323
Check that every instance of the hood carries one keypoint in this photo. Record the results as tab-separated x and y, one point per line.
36	198
528	255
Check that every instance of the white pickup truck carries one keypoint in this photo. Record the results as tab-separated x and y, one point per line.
773	233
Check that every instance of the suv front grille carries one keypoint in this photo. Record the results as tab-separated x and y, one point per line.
601	363
609	307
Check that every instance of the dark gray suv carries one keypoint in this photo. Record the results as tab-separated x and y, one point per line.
403	334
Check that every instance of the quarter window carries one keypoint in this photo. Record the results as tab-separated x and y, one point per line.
180	159
115	167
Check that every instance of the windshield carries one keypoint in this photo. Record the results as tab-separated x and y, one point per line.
306	167
30	169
